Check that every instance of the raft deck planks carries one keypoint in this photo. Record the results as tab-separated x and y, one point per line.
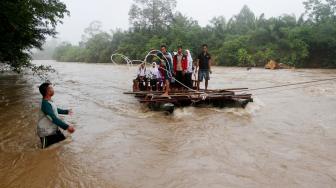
219	97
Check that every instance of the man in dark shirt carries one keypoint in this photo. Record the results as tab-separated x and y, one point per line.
204	67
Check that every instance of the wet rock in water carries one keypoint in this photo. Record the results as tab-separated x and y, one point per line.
272	65
275	65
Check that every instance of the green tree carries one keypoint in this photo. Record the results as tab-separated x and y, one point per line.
98	48
94	28
244	59
151	14
67	52
25	24
262	56
243	40
228	53
319	32
183	31
216	32
320	11
242	22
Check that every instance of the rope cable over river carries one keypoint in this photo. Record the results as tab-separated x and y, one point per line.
130	63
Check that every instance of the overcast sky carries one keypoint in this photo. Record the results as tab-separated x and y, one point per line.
114	13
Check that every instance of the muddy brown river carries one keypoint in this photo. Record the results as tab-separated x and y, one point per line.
285	138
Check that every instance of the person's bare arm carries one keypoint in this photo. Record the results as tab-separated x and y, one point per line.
210	61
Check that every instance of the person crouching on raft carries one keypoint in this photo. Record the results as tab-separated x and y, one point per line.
155	77
49	121
142	77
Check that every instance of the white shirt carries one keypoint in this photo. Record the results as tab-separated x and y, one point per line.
155	73
142	71
190	64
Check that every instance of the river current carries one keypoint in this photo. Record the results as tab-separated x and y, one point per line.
285	138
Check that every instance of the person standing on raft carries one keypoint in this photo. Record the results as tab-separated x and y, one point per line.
204	67
180	67
166	68
188	76
49	121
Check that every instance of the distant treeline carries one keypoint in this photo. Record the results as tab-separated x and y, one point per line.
47	52
243	40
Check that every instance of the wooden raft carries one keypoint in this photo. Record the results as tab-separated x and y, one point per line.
235	97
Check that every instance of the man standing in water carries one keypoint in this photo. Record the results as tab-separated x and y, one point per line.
204	67
49	121
166	64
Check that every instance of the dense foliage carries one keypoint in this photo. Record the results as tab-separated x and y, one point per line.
25	24
243	40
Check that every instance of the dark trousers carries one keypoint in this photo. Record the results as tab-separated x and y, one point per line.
142	83
188	80
179	78
154	84
52	139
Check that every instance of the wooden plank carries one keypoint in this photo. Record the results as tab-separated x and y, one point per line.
159	101
188	97
185	92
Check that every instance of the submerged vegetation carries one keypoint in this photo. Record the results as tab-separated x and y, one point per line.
244	40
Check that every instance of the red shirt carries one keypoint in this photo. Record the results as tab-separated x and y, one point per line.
184	62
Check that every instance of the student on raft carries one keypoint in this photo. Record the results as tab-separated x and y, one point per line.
180	67
49	121
142	77
166	68
154	75
195	75
188	76
204	67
